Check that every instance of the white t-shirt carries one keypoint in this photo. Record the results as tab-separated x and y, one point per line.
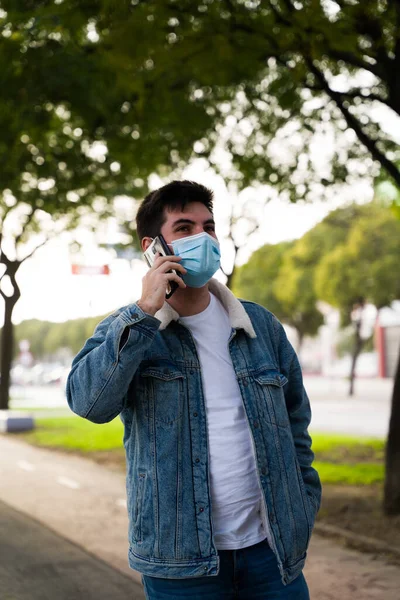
235	491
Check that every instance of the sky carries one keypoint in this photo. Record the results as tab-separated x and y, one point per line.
49	290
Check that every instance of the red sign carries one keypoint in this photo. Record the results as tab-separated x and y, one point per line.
90	270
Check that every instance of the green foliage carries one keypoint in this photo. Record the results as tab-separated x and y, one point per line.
255	280
261	281
151	78
47	338
353	253
365	265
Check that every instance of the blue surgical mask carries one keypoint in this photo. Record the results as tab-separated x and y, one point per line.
200	256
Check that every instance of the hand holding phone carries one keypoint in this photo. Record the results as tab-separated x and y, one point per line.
163	278
160	246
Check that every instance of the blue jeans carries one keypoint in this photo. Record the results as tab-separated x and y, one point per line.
247	574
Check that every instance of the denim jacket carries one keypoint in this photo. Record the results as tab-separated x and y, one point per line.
146	369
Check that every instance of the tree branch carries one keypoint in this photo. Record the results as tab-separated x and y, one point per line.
28	220
51	237
346	56
353	123
394	88
356	61
12	267
355	93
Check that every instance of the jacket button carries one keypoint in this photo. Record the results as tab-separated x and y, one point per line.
255	424
201	509
197	460
195	414
135	316
191	372
245	383
264	471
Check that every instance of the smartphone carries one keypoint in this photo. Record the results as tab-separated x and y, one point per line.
161	246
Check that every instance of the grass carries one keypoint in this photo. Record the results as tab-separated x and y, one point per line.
349	460
74	433
353	474
43	410
339	459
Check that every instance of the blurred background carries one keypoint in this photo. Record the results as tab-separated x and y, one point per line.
290	112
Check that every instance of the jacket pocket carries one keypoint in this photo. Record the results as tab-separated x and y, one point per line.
270	390
138	507
306	502
164	392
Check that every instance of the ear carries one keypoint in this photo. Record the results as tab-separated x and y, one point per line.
145	243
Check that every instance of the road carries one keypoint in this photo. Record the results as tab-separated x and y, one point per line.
85	503
367	413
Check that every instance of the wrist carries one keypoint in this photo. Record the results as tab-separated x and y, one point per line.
150	310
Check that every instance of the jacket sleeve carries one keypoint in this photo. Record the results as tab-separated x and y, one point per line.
102	371
299	411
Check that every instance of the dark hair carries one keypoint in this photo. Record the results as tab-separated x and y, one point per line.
177	194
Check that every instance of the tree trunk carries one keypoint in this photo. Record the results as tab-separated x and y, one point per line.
300	340
8	328
358	344
7	345
229	279
391	502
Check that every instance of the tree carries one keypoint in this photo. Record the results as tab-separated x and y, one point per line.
361	269
295	281
68	143
266	82
391	502
260	280
48	179
47	338
264	75
267	78
255	280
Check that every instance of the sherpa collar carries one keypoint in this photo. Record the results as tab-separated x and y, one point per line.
238	316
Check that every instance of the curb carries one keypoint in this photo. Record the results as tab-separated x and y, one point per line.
356	540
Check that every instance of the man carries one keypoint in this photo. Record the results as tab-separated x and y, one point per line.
221	493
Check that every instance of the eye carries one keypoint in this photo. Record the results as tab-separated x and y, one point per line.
183	228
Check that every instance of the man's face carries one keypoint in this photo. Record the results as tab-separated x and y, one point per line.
194	219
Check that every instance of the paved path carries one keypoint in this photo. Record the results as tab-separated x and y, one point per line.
85	503
37	564
366	413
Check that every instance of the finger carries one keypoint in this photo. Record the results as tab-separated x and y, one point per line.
160	259
173	257
168	265
174	277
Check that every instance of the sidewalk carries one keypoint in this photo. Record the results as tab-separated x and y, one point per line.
367	413
37	564
85	503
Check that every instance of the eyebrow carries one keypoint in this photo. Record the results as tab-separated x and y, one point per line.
190	222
